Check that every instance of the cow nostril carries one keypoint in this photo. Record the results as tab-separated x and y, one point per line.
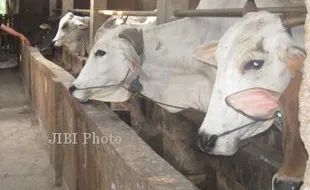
286	184
206	143
72	89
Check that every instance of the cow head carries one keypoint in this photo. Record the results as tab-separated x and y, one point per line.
256	52
71	29
113	61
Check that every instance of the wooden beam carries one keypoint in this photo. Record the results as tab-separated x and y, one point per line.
162	16
166	8
67	5
96	19
128	13
52	6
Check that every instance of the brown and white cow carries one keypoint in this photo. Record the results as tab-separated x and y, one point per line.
263	105
255	54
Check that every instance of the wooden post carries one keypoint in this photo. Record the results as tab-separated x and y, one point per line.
52	6
165	9
67	5
96	19
162	11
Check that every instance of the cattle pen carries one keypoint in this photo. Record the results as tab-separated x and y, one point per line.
134	145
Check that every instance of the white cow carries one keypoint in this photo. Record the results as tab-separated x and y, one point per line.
73	31
172	75
255	52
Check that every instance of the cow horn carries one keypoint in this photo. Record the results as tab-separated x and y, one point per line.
109	23
293	19
135	37
249	6
125	19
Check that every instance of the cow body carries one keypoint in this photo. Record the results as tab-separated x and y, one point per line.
295	155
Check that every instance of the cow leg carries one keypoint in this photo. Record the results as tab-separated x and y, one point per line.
290	175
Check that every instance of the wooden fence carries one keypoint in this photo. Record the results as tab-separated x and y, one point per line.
129	164
8	43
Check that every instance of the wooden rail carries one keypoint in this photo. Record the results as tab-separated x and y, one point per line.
8	43
238	12
128	13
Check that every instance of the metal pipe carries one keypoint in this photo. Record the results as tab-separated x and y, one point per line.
128	13
234	12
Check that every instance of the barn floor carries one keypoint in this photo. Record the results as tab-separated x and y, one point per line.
24	163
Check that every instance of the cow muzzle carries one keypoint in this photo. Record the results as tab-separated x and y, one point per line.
78	94
205	142
283	184
72	89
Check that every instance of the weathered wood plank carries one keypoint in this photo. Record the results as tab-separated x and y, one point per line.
67	5
96	19
52	6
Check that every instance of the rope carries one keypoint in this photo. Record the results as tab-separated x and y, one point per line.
106	86
168	105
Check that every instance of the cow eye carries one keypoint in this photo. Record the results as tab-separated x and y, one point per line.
100	53
254	65
65	26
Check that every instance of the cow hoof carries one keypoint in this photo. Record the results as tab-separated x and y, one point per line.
281	184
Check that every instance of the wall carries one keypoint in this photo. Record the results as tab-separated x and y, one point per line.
112	4
151	4
304	99
128	4
32	14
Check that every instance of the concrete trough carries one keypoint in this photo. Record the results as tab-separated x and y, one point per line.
129	164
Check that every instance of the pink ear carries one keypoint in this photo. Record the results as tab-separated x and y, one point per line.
135	65
257	103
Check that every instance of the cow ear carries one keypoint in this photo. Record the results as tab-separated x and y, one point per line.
133	53
206	53
295	58
256	103
81	25
133	60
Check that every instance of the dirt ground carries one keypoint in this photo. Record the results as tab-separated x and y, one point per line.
24	163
